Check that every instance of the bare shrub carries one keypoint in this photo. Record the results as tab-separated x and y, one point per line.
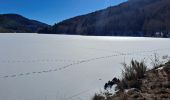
131	75
155	61
136	70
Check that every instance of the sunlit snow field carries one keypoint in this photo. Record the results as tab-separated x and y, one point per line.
61	67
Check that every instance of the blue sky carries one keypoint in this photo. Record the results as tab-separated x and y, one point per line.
53	11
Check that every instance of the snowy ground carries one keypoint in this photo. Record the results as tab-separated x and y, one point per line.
60	67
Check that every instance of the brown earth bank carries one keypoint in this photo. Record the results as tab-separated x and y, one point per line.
154	85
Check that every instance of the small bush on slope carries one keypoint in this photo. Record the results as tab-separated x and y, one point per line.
136	70
131	76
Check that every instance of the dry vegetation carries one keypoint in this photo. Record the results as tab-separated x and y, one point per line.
138	83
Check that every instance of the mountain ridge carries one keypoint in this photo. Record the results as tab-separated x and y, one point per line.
131	18
11	23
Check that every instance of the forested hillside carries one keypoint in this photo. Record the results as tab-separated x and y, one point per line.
131	18
17	23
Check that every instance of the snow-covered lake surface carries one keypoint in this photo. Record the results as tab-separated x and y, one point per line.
61	67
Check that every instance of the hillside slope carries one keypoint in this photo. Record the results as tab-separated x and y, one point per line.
131	18
155	85
17	23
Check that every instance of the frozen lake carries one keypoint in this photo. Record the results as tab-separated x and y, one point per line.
61	67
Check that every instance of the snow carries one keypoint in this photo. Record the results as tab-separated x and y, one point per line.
63	67
127	90
160	68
